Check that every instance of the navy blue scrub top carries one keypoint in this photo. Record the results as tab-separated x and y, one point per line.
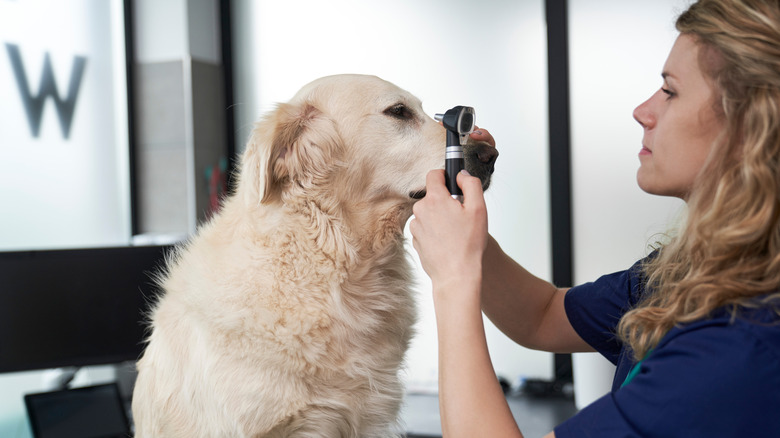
718	377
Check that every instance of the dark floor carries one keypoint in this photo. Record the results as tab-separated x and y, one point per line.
536	416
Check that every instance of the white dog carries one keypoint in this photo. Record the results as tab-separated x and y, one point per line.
289	313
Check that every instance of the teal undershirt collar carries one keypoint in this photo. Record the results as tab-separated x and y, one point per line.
635	370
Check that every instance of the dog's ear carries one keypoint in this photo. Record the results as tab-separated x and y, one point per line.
291	148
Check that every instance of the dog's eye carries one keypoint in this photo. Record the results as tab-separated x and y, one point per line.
400	111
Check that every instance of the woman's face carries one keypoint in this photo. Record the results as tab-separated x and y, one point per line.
680	124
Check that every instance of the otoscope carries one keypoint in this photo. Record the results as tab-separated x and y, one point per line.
459	122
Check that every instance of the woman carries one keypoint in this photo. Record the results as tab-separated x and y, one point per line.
694	329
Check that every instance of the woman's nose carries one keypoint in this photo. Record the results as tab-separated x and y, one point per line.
644	115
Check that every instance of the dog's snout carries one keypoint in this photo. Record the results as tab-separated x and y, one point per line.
484	157
487	155
480	161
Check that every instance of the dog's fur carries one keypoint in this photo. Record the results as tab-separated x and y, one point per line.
289	313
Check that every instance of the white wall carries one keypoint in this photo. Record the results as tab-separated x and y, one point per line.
617	51
489	55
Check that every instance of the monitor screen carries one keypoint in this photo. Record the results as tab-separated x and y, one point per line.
75	307
94	411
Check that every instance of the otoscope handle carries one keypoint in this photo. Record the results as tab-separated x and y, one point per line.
453	164
459	122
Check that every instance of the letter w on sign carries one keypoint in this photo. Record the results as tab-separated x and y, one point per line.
33	104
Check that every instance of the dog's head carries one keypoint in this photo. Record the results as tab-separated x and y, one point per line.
346	143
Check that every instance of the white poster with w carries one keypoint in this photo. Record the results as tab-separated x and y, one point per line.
64	166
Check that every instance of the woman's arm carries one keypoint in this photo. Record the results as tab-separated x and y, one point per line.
471	401
469	273
526	308
470	397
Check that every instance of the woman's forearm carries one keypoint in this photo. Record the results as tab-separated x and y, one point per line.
471	400
526	308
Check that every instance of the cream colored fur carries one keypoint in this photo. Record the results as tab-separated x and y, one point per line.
289	313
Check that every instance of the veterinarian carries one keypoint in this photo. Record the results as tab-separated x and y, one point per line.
694	327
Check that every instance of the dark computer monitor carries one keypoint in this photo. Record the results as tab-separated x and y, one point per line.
76	307
93	411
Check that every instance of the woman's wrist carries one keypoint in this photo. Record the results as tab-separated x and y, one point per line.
459	292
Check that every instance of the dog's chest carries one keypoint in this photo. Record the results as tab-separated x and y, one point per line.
313	290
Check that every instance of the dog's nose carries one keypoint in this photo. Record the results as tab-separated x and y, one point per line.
487	155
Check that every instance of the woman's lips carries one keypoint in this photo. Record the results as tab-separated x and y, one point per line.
645	151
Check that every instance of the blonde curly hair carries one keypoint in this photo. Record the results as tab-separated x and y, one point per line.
727	251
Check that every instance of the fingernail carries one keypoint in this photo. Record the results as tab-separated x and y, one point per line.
465	172
478	132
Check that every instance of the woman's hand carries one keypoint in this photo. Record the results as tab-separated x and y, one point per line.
451	237
482	135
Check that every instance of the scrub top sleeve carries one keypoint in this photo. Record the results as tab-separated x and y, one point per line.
711	380
595	308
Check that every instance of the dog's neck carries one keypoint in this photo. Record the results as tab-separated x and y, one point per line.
371	231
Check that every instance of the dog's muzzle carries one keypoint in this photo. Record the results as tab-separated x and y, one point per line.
480	162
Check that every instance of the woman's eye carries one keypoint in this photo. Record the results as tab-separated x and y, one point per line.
399	111
669	93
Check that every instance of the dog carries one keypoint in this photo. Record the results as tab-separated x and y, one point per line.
289	312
